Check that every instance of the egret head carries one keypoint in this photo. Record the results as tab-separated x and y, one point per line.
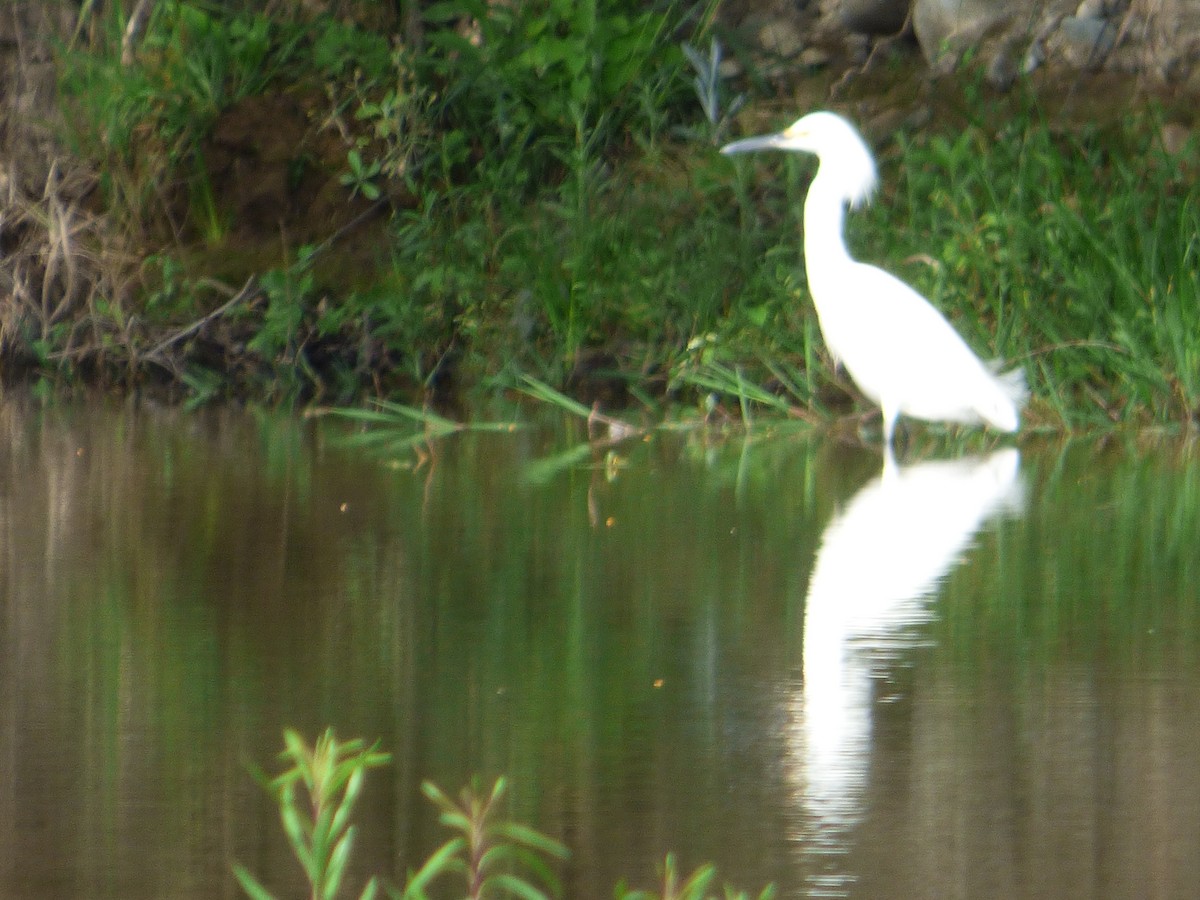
844	157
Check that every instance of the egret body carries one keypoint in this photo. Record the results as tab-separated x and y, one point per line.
900	351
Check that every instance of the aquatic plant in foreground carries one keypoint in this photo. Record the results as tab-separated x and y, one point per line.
492	856
319	831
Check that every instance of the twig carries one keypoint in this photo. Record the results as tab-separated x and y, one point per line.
249	289
879	46
133	31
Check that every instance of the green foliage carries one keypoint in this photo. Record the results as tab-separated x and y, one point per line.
397	118
487	852
493	856
710	90
288	292
194	61
490	855
1059	248
633	257
343	50
377	86
361	177
144	120
516	80
317	820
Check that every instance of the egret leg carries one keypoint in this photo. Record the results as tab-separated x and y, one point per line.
889	424
889	463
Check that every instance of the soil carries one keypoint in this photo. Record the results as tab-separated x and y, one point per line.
275	163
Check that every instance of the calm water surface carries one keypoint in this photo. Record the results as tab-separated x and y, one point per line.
974	678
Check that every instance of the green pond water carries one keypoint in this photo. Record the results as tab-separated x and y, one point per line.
974	677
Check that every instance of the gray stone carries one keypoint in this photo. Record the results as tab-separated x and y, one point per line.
873	16
1002	70
1175	138
1084	43
781	38
951	26
1095	9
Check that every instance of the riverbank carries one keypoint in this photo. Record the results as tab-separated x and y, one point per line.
306	211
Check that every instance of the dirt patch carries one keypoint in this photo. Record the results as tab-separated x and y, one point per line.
274	166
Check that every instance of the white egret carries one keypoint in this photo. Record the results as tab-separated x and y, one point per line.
900	351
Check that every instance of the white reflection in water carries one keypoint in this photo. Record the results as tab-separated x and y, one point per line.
880	560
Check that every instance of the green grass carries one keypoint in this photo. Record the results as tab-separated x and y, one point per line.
1071	253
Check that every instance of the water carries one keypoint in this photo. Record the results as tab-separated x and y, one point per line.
973	679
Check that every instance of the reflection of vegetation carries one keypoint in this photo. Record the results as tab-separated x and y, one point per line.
392	427
202	582
487	852
1121	583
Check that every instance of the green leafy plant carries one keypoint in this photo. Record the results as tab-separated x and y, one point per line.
516	77
709	92
288	291
491	856
374	85
317	818
488	853
144	117
361	177
1096	288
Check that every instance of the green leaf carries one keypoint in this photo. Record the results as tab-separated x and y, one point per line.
441	13
498	790
337	863
518	886
536	865
529	837
296	749
698	882
250	884
428	788
442	860
542	391
353	789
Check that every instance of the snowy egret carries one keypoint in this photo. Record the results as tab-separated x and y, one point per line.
900	351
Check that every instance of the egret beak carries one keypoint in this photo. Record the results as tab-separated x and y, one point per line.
764	142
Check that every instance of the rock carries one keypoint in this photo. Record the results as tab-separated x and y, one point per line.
814	57
951	26
1002	70
1084	43
1096	9
1160	38
1175	138
781	38
873	16
1033	59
